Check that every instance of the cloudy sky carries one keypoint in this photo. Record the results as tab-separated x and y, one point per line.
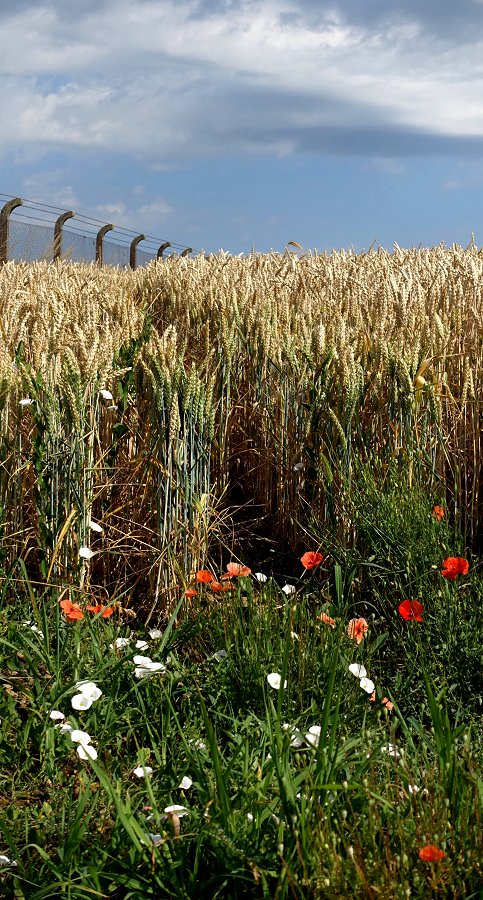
223	124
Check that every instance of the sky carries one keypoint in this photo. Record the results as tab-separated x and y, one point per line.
245	125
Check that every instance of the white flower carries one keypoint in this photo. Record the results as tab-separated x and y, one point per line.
146	667
294	636
81	702
143	771
113	406
413	788
94	526
56	715
64	727
357	670
6	861
27	401
298	467
261	577
141	645
105	394
178	810
86	553
275	681
392	750
197	744
185	783
367	685
33	628
288	589
87	751
89	689
295	740
220	654
313	735
155	634
119	643
250	817
80	737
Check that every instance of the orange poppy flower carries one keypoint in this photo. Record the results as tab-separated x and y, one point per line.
105	610
73	612
229	586
327	619
438	513
204	577
233	570
217	586
311	559
387	703
357	628
190	592
411	609
454	566
430	853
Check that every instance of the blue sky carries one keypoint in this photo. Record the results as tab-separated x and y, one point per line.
231	125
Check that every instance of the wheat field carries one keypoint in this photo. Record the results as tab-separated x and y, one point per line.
154	401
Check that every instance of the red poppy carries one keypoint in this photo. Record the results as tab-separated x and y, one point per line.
204	577
73	612
311	559
454	566
190	593
430	853
105	610
387	703
217	586
357	628
234	570
411	609
327	619
438	513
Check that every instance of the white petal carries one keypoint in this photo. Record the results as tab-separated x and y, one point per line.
87	751
220	654
86	553
298	467
119	643
275	681
80	737
143	771
142	661
6	861
357	670
56	715
155	634
288	589
185	783
64	727
105	394
81	702
179	810
89	689
312	739
367	685
315	729
94	526
141	645
261	577
27	401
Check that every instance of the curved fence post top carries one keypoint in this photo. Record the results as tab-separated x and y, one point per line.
132	251
99	239
5	211
162	248
186	251
58	232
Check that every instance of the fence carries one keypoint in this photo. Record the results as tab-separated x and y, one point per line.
30	230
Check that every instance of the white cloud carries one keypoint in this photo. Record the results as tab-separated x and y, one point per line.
169	81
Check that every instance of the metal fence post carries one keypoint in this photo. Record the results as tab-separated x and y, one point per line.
4	217
132	251
58	233
162	248
99	239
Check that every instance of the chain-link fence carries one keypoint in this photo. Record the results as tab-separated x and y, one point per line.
30	230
